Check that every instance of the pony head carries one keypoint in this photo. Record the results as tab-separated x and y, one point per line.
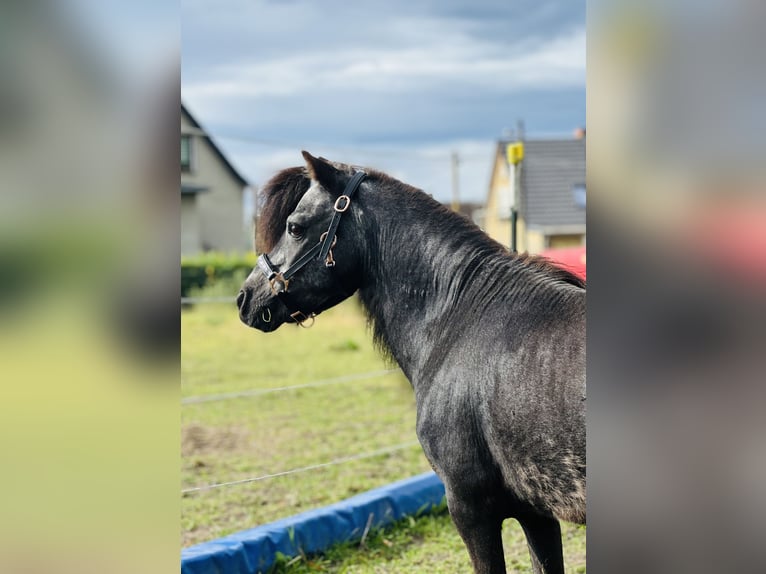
295	279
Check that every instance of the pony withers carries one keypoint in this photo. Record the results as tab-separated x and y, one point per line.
492	342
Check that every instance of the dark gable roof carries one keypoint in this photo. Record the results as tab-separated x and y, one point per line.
550	170
242	181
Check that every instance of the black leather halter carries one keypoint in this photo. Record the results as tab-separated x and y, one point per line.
280	281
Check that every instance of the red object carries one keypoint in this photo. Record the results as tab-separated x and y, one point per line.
731	239
569	258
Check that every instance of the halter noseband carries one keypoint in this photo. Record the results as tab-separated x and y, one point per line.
280	281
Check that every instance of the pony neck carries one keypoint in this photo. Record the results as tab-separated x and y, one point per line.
420	257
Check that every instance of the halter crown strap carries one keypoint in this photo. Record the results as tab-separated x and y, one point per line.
341	205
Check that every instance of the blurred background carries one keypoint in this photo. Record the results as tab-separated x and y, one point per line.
677	254
89	333
439	95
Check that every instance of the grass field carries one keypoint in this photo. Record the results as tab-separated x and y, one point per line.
250	436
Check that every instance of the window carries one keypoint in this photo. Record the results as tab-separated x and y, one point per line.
578	191
186	153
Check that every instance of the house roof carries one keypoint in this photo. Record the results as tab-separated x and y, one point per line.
550	171
235	174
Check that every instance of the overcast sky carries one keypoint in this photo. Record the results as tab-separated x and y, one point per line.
397	85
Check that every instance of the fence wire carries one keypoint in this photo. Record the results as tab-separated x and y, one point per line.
342	460
256	392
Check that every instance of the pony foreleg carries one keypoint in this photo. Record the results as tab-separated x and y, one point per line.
482	534
544	542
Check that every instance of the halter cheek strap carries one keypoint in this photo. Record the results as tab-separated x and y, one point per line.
280	281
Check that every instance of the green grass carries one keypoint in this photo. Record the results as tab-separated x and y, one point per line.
427	543
268	433
253	436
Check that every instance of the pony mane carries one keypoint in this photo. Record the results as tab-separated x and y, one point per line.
550	269
462	230
280	196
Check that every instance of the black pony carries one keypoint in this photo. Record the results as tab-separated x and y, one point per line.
492	342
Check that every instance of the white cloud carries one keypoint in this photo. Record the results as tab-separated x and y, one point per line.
378	86
555	63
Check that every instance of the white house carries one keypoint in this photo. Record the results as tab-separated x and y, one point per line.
212	195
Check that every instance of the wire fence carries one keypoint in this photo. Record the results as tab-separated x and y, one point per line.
210	398
342	460
257	392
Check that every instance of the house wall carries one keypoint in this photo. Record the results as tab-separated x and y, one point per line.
496	226
221	225
534	242
219	208
566	240
191	242
526	240
499	230
497	223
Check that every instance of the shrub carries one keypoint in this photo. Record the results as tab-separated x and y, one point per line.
206	269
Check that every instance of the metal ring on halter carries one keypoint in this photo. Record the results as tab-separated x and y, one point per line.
263	315
329	260
334	239
301	318
278	280
341	208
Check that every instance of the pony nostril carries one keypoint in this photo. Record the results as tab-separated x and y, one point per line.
241	298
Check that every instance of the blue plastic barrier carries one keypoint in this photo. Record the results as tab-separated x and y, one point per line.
254	551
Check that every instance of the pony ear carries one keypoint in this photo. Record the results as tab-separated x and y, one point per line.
323	171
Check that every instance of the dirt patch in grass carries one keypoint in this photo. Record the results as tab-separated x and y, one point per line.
198	439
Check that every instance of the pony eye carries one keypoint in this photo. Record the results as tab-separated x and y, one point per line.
295	231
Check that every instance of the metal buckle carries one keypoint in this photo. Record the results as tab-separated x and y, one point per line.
278	281
329	260
300	318
340	208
